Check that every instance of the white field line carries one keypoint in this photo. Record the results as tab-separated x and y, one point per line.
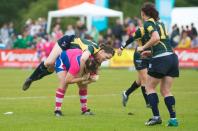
73	96
46	97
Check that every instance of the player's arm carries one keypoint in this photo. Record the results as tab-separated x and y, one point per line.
71	79
154	39
135	36
85	56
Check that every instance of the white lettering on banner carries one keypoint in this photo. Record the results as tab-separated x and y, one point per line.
11	56
184	55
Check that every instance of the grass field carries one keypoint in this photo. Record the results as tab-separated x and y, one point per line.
33	109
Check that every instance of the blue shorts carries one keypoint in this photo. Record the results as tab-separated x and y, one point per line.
62	62
140	63
164	66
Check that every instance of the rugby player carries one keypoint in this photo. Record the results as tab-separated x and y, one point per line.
68	42
163	66
67	67
140	63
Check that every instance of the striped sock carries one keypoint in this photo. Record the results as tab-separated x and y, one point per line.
59	98
83	98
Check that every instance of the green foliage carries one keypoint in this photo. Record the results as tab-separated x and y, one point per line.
36	9
20	10
9	9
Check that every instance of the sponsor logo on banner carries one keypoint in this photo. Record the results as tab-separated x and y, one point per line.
187	57
19	58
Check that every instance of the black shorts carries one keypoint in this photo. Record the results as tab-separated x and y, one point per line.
164	66
140	63
65	41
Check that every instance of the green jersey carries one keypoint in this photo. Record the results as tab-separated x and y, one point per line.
164	45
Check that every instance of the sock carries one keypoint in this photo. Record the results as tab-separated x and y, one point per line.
144	94
153	101
83	98
170	104
39	72
131	89
59	98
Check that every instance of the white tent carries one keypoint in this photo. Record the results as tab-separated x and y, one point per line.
185	16
86	10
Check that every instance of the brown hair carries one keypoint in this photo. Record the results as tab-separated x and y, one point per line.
91	65
107	49
149	10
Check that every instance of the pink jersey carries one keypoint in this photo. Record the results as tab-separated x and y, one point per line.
74	56
69	60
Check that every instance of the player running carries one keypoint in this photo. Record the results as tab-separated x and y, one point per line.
67	42
163	66
141	65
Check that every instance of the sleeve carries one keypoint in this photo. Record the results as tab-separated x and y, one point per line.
135	36
150	27
74	66
91	49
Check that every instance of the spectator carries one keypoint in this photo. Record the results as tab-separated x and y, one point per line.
193	30
4	35
118	30
80	29
185	41
131	29
94	34
70	30
175	36
57	32
194	43
188	31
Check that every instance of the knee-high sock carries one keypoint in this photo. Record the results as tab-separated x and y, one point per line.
153	101
83	98
170	104
39	72
132	88
144	94
60	93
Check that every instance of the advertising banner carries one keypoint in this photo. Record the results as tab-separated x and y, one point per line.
19	58
188	58
25	58
125	60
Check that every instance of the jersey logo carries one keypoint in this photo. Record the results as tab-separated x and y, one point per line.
64	44
150	65
150	28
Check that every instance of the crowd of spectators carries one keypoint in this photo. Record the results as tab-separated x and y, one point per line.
34	36
184	37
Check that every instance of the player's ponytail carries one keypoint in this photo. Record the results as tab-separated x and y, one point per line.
149	10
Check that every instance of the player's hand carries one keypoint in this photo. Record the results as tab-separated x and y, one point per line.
140	48
85	76
145	54
94	77
119	52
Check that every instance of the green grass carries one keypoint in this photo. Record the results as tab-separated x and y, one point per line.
33	109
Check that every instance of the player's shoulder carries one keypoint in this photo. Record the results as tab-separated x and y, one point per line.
149	22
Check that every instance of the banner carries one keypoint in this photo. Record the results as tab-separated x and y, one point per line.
165	8
100	22
19	58
62	4
188	58
23	58
125	60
